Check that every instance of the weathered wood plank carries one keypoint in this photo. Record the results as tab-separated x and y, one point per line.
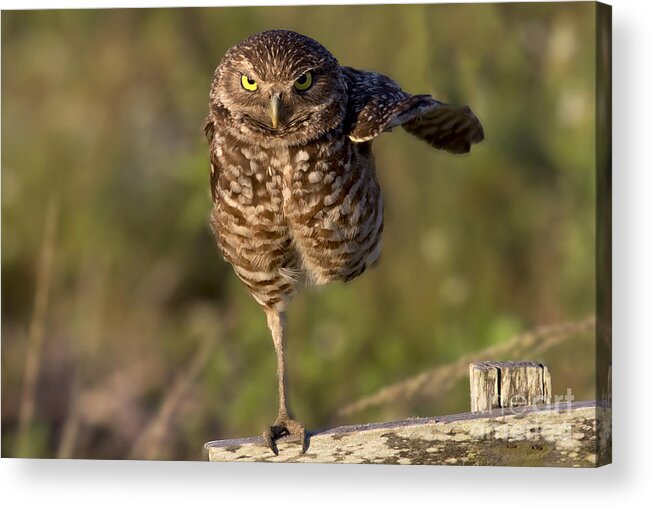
495	384
564	434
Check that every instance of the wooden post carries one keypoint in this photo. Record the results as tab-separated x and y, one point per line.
495	385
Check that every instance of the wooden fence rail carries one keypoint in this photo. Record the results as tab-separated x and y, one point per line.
511	432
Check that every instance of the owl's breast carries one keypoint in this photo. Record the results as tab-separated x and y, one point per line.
248	221
314	208
333	205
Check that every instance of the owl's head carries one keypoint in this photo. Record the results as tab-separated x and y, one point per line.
280	85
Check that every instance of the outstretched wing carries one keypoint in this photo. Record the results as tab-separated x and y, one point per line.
378	104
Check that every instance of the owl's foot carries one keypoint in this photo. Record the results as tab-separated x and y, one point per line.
285	427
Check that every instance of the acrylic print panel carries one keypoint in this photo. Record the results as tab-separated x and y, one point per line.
461	318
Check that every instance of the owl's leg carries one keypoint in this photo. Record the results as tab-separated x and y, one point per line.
284	424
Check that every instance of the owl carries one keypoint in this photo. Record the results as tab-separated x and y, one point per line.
296	198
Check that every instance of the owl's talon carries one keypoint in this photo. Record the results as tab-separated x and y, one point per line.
270	441
284	427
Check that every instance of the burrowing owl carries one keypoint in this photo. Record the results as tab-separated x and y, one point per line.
296	198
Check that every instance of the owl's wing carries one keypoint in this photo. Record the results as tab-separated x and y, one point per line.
209	131
378	104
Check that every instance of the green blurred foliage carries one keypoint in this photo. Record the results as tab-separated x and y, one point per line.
102	111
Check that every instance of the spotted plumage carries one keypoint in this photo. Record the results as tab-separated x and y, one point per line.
295	195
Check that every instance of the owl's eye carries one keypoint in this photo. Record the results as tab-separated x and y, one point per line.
303	82
248	83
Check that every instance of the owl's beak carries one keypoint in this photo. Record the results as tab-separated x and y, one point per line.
273	110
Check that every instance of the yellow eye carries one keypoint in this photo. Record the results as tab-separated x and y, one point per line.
248	83
303	82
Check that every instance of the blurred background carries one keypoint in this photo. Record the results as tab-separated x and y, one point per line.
124	333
